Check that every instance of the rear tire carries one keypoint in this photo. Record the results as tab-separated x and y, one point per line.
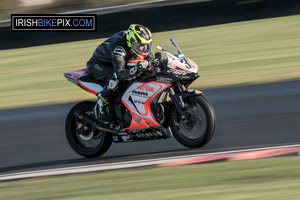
198	125
83	140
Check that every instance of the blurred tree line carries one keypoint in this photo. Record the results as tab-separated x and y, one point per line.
8	7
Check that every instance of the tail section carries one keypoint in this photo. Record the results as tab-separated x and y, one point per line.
80	78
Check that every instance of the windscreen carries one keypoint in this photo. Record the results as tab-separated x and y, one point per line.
167	46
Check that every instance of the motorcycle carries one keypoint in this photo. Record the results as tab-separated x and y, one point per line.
154	105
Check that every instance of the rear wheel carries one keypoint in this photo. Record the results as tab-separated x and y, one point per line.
82	139
196	127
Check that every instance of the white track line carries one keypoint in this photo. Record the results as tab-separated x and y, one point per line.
118	165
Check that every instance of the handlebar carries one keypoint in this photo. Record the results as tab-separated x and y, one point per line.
153	66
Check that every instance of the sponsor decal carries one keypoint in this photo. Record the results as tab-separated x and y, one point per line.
138	101
125	137
146	135
179	72
146	88
163	79
136	131
140	93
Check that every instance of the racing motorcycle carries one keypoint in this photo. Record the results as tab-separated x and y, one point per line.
154	105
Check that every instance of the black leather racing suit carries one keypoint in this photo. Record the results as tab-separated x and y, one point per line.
110	57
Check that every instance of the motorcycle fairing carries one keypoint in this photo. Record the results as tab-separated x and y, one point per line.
177	63
139	135
90	86
181	66
138	98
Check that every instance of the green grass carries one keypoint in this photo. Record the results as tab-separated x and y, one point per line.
229	54
267	179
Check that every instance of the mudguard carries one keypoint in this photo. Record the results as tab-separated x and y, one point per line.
190	93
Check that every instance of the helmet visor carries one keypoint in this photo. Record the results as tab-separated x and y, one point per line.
142	49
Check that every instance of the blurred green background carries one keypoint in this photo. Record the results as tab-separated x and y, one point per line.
8	7
229	54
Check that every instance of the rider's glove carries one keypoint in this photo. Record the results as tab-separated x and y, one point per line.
156	62
143	64
139	68
133	70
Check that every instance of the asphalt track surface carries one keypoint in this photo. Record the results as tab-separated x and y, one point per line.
251	116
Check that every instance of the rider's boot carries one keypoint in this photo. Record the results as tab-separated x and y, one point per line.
103	100
100	109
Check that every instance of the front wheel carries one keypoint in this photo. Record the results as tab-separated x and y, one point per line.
196	127
86	142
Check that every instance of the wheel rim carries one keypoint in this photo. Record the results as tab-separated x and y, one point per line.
193	125
84	137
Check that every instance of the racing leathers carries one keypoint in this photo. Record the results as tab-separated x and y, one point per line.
110	57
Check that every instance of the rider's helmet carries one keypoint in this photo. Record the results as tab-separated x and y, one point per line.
139	40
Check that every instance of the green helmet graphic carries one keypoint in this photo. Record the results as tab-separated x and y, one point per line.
139	40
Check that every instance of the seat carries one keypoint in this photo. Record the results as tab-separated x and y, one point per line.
86	78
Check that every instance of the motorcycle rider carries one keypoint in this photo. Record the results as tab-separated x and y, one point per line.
108	63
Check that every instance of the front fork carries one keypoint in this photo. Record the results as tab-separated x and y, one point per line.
178	98
177	101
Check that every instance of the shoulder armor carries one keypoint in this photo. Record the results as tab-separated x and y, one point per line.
120	51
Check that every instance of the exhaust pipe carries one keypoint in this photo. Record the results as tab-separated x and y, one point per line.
91	123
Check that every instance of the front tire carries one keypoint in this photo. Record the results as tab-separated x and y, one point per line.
197	126
83	140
